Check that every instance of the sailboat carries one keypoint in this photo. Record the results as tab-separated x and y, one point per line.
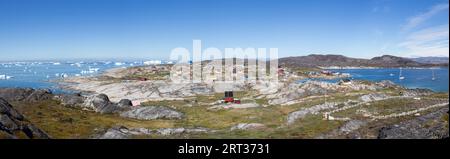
400	75
433	78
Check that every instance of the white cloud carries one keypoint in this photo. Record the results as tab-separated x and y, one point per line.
433	41
419	19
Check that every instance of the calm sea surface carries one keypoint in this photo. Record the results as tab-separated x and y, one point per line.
413	78
39	74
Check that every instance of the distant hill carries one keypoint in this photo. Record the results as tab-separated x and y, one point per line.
315	60
431	60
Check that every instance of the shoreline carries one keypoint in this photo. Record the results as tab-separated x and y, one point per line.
356	68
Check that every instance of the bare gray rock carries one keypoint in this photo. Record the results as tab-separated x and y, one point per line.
100	103
416	92
248	126
373	97
292	117
25	94
152	112
72	100
39	95
351	126
430	126
15	94
125	103
120	132
386	84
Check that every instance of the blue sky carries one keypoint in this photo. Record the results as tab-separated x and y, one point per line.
55	29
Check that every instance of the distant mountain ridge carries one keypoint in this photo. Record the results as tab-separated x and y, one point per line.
431	60
317	60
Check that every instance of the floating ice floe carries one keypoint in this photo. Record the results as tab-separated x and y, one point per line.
63	75
118	63
76	64
56	63
5	77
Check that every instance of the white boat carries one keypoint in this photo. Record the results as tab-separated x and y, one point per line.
400	75
391	74
434	77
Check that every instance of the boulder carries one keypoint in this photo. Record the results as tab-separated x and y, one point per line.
39	95
152	112
100	103
72	100
125	103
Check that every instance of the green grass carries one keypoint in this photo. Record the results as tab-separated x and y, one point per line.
65	122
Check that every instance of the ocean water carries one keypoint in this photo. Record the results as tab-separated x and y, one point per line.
39	75
414	78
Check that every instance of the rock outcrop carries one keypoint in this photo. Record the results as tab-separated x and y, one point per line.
152	112
100	103
302	113
125	103
71	100
121	132
14	125
430	126
25	94
248	126
373	97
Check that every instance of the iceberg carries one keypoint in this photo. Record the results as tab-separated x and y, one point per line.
76	64
64	75
90	70
152	62
118	63
5	77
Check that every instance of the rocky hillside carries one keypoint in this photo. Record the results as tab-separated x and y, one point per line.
13	125
431	60
315	60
